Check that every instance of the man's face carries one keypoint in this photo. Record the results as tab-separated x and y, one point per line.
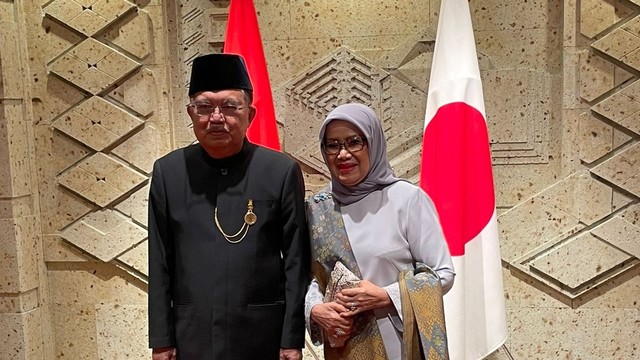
220	121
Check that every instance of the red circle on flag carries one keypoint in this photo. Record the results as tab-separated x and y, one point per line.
456	172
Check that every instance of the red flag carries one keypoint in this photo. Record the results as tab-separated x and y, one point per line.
243	38
456	173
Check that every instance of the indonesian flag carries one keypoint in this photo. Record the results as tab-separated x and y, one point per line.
243	38
456	173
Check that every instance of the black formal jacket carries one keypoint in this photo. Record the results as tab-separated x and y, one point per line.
212	299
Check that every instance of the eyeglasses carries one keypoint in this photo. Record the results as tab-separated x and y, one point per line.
206	109
352	145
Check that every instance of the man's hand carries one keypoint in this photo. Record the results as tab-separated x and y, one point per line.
165	353
290	354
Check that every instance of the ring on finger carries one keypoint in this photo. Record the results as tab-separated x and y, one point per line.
352	306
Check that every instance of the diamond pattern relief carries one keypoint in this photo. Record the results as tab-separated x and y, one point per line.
598	15
623	107
339	78
574	267
596	138
101	179
104	234
133	35
621	233
136	206
597	76
623	169
93	66
87	16
96	123
138	93
137	258
623	43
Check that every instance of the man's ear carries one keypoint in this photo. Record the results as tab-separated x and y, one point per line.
190	110
252	113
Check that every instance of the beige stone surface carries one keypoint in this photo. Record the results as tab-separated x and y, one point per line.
11	72
596	138
19	303
562	112
104	234
137	258
532	224
141	149
597	76
573	334
573	267
96	123
136	206
15	180
597	16
101	179
19	251
121	331
622	169
93	66
92	283
60	250
622	107
533	49
7	12
565	195
80	340
19	333
327	18
621	234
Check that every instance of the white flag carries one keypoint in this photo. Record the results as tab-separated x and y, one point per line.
456	173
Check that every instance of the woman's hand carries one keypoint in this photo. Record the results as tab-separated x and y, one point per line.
327	315
365	297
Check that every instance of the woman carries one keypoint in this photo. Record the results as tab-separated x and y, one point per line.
377	225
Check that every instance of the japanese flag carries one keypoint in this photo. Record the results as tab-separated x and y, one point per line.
456	173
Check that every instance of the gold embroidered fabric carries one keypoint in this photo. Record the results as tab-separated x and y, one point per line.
330	244
423	315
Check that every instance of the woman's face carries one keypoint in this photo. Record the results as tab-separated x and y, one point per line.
347	167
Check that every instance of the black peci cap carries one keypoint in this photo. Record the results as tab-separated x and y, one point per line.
215	72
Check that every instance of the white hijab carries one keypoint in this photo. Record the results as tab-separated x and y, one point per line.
380	173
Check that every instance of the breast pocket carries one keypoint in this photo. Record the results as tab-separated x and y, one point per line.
268	284
265	212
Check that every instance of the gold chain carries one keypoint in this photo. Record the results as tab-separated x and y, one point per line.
249	219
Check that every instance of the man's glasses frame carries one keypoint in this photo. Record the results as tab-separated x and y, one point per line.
206	109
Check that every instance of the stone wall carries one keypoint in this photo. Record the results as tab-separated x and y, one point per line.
92	92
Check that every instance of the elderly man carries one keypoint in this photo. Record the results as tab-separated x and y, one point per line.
228	239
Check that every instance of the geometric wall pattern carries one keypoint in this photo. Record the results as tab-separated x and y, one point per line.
343	77
106	63
96	123
101	179
595	208
108	85
87	16
93	66
339	78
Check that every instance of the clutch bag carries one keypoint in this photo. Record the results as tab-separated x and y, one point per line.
340	278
